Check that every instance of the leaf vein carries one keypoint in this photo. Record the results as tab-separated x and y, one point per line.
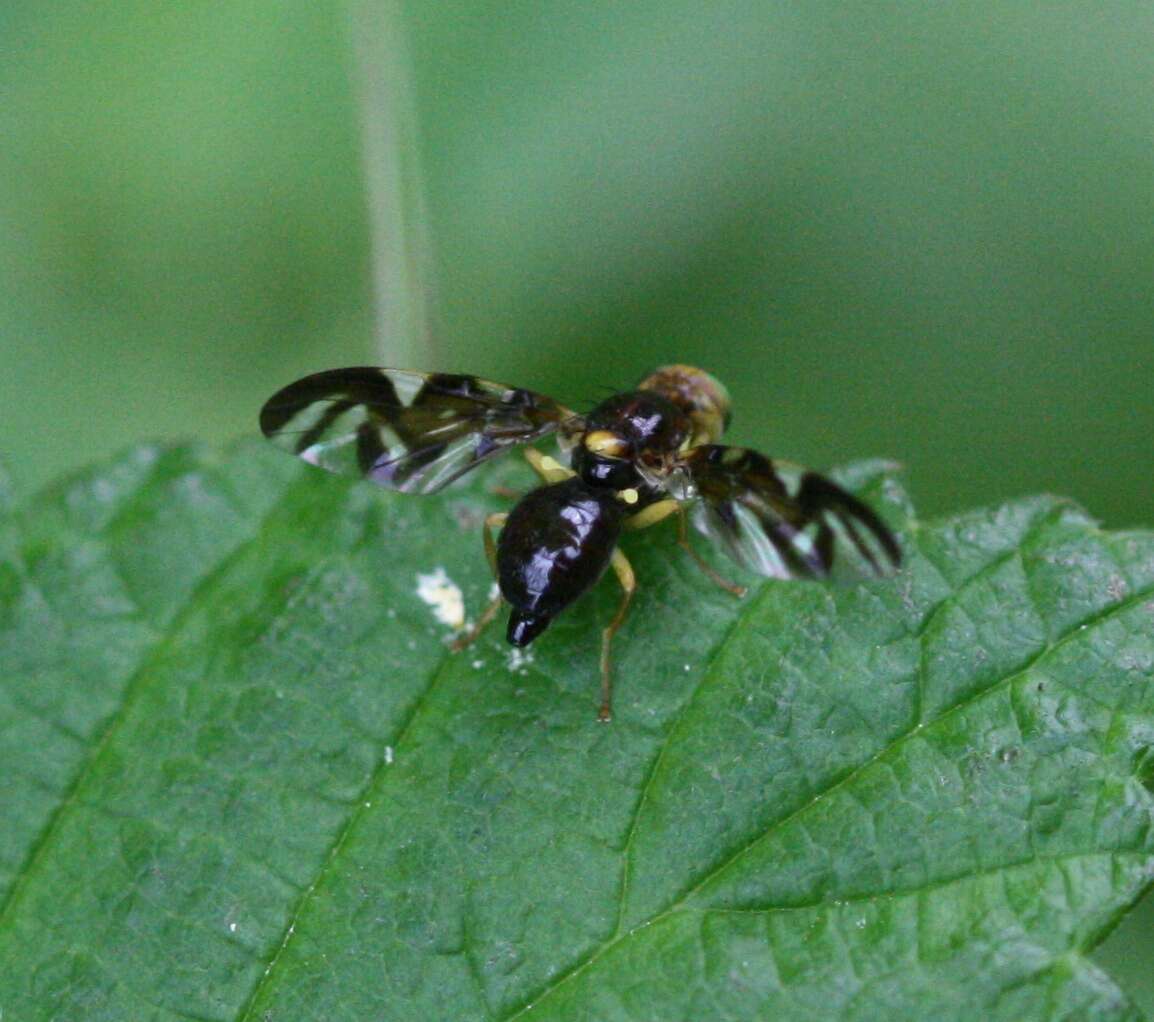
655	763
363	802
1075	631
115	720
1062	859
995	686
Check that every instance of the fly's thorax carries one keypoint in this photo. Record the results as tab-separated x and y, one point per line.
698	395
628	438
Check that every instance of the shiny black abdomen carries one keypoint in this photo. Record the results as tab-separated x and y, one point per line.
556	543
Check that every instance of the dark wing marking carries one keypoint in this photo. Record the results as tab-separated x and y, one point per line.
408	431
785	524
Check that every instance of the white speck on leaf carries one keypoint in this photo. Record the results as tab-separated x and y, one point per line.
519	660
1116	588
442	594
388	755
232	927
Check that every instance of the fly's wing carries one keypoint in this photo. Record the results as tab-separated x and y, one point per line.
784	524
414	432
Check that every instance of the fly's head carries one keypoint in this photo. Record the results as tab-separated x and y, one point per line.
697	395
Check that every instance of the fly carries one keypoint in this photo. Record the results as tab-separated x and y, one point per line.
636	459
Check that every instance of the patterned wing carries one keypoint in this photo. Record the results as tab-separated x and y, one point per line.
782	523
415	432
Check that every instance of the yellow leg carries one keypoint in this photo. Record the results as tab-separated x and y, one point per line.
493	521
683	541
652	515
494	605
658	513
624	572
471	636
549	469
507	492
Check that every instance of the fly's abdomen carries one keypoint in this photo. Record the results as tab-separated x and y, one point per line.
555	545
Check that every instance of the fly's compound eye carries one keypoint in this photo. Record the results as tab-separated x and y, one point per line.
606	444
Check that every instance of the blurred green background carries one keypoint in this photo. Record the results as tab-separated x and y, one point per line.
912	230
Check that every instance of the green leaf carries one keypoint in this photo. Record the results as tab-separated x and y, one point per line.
244	779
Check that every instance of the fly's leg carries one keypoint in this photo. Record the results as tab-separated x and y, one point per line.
493	521
658	513
471	636
683	541
624	571
549	469
468	638
652	515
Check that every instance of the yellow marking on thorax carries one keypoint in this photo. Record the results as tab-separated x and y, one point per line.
603	441
630	496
